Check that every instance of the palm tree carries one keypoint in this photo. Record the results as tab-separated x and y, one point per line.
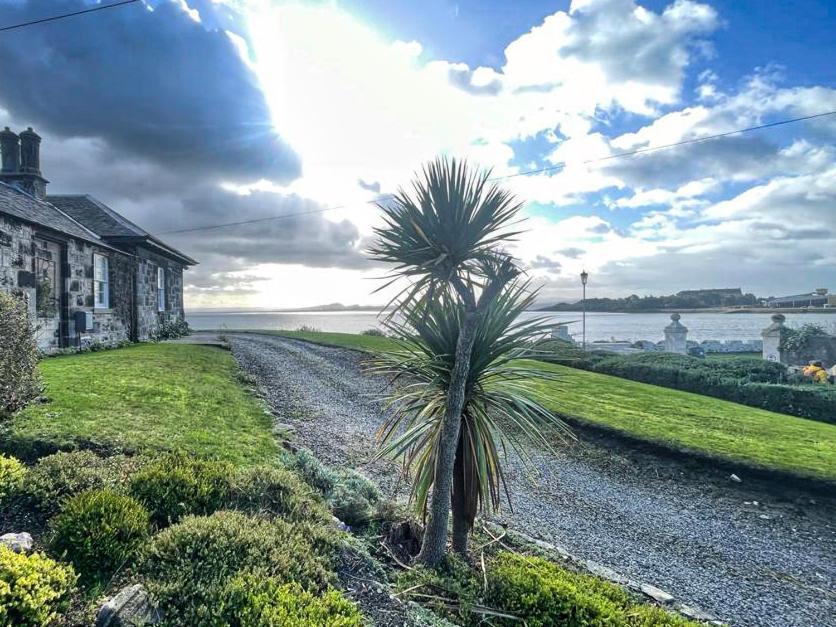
458	338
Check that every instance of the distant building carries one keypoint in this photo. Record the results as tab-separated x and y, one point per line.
819	298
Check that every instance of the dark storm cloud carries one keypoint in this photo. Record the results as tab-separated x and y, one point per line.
310	239
152	83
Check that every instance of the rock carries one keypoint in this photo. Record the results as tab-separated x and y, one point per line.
17	542
129	607
695	613
660	596
735	478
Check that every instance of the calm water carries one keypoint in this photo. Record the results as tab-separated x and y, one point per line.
599	326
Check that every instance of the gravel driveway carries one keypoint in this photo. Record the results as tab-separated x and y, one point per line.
734	550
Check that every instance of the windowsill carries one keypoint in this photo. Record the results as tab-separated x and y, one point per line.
102	310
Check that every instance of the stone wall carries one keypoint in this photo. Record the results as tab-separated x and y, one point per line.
147	311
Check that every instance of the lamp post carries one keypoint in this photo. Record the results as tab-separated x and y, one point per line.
584	277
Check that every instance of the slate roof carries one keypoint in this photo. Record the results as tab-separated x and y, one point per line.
110	225
19	204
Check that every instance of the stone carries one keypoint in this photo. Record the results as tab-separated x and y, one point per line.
130	606
660	596
17	542
735	478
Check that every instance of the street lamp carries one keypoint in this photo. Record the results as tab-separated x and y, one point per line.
584	277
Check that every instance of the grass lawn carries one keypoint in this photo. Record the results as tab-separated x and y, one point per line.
679	420
147	397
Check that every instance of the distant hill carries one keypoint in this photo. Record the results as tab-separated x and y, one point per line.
686	299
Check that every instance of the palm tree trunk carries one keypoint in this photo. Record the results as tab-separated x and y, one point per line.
465	497
434	546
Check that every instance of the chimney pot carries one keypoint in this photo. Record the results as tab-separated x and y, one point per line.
10	150
30	152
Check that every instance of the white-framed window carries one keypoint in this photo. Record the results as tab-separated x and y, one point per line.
101	282
160	289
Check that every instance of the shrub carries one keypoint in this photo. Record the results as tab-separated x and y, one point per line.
353	498
170	330
176	485
542	593
256	601
20	382
276	492
57	477
188	566
12	473
312	471
33	588
99	531
373	332
451	590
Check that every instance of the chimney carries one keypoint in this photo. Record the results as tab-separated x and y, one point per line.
10	149
22	161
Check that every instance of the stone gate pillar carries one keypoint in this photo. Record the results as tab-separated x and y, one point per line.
772	338
676	336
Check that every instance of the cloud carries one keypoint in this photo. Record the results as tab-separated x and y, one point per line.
571	252
153	83
545	263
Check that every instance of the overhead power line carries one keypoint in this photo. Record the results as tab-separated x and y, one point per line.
62	16
557	166
684	142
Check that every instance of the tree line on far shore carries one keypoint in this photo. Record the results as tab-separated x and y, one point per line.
681	300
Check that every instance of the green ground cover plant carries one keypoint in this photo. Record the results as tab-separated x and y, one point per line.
256	601
543	594
675	419
188	566
55	478
177	485
99	531
33	588
147	397
12	473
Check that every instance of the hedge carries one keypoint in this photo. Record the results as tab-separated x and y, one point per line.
745	380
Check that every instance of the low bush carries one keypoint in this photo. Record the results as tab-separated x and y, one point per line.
170	330
12	474
188	566
373	332
99	531
33	588
746	380
312	471
353	498
276	492
56	477
20	382
542	593
176	485
255	601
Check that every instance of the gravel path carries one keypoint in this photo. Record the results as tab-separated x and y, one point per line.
737	551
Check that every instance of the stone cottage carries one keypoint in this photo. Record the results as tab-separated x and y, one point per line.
88	273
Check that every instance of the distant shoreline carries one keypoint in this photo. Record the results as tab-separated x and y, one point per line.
721	310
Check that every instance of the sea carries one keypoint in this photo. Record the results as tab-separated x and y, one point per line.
599	326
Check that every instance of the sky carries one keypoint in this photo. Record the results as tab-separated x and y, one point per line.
191	113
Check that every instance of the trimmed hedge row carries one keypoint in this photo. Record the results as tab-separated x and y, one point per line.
745	380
